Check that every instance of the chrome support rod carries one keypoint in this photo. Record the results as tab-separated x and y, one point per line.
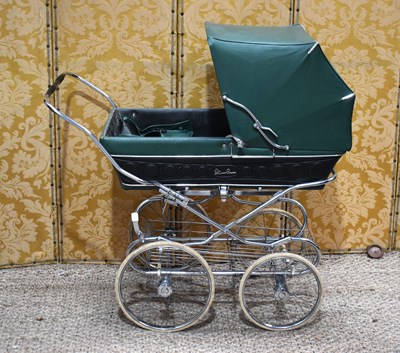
257	124
227	228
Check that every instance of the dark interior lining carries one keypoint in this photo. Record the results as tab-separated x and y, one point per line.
203	122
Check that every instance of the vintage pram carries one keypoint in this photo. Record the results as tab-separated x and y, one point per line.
286	122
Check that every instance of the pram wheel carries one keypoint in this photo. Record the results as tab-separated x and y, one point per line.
271	224
158	218
171	291
280	291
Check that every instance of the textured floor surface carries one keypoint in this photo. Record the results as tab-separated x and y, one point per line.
72	308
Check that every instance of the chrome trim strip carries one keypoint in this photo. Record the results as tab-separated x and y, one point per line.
225	156
171	156
348	96
302	156
254	186
312	48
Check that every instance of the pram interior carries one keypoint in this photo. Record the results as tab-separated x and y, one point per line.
195	147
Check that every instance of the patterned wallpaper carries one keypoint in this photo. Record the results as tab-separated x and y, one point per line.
26	211
362	39
130	59
199	86
60	198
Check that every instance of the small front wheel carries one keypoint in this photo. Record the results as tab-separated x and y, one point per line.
280	291
170	291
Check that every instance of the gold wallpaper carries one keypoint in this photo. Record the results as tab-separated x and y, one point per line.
59	196
362	39
199	86
26	211
124	48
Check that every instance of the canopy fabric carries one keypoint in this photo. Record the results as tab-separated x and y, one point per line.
282	76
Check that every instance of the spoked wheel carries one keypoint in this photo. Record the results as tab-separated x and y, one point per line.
280	291
158	218
271	224
307	249
171	291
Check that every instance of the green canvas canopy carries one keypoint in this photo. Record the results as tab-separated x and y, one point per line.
281	76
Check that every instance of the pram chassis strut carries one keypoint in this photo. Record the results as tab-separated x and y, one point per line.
165	260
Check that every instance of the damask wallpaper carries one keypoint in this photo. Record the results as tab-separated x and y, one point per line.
362	39
26	211
59	197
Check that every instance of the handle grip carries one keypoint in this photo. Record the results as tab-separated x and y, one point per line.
54	86
60	79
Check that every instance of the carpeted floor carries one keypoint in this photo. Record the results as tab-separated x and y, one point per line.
72	308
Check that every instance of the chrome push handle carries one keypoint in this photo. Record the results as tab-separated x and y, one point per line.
52	88
50	92
61	78
257	124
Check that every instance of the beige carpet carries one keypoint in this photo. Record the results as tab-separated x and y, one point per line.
72	308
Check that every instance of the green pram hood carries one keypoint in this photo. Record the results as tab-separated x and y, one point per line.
282	76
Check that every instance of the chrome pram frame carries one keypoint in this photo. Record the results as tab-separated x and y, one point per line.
168	254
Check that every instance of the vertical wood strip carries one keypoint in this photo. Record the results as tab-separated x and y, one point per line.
58	153
173	82
292	4
180	56
394	242
52	140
